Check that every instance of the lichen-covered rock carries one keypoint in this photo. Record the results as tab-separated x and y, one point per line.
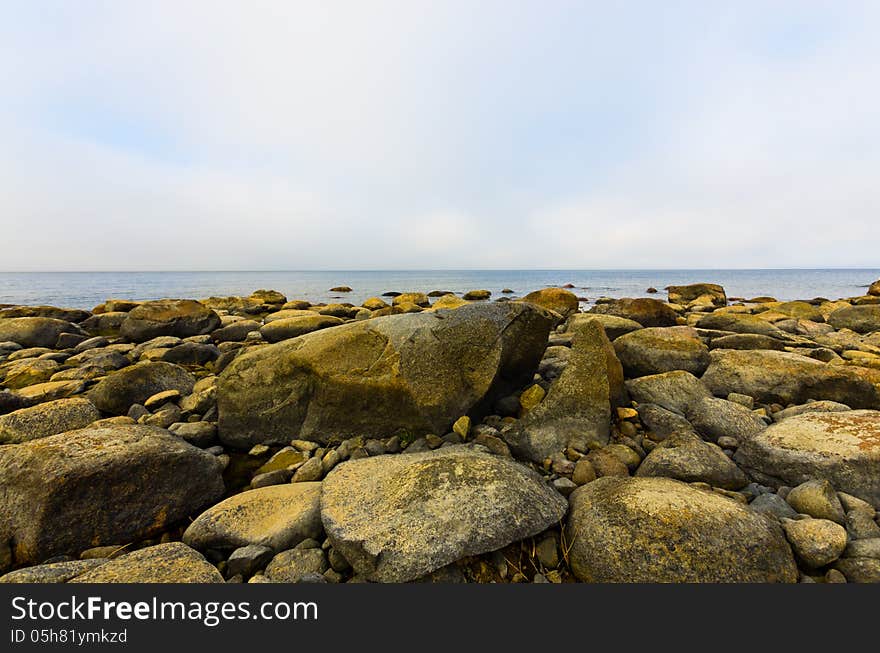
168	317
664	349
657	530
277	516
861	319
740	323
645	311
47	419
686	457
614	326
36	331
677	391
705	294
816	542
404	375
557	300
173	562
71	491
577	408
786	378
842	448
53	572
713	418
292	327
134	385
397	517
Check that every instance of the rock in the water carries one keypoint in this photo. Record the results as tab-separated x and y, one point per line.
645	311
277	516
168	317
714	418
292	327
174	562
664	349
874	289
577	409
686	457
47	419
398	517
705	294
657	530
842	448
817	542
134	385
861	319
557	300
677	391
476	295
785	378
36	331
404	375
67	492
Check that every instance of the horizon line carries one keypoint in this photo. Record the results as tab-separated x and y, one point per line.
562	269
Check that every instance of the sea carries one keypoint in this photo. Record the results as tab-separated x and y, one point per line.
88	289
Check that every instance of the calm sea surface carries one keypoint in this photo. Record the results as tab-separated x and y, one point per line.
87	289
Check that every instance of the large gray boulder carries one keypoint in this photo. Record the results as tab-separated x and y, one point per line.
786	378
116	393
47	419
661	349
404	375
36	331
398	517
168	317
658	530
71	491
276	516
842	448
577	408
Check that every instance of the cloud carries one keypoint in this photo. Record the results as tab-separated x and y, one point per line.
417	134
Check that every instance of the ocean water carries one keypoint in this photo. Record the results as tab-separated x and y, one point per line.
87	289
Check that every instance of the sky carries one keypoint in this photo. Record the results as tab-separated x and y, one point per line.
447	134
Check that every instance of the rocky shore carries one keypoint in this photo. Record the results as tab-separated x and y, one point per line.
442	438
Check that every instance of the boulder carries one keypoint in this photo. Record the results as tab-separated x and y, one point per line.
53	572
168	317
676	391
740	323
173	562
614	326
810	407
785	378
36	331
874	289
397	517
53	312
276	516
134	385
661	349
105	324
577	408
404	375
235	331
714	418
662	422
658	530
861	319
816	542
747	341
686	457
557	300
710	294
294	565
292	327
647	312
47	419
476	295
75	490
800	311
842	448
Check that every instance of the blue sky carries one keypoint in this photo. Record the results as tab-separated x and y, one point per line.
343	135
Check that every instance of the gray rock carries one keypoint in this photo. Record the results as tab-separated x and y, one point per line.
772	504
811	407
248	559
198	434
168	317
816	542
294	565
843	448
277	516
657	530
577	409
658	350
164	563
80	489
685	457
859	570
135	384
315	387
398	517
661	421
47	419
866	548
614	326
55	572
676	391
36	331
818	499
647	312
235	332
714	418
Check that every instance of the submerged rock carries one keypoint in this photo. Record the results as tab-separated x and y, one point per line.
395	518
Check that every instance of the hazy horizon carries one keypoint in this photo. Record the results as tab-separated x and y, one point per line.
337	136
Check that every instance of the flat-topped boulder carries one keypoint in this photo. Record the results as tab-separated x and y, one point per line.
647	312
168	317
787	378
105	485
406	375
840	447
658	530
398	517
